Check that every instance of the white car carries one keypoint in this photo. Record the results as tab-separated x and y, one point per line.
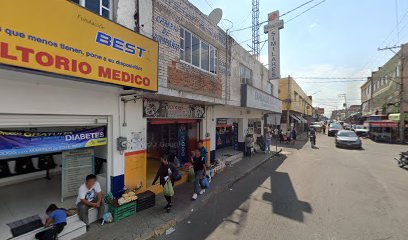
361	130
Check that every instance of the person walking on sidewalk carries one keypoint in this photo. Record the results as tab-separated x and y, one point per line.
293	135
249	144
203	150
268	141
166	172
199	167
324	128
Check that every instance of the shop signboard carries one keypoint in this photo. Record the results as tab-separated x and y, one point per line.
235	135
272	29
182	143
258	99
158	109
58	36
76	165
16	143
222	121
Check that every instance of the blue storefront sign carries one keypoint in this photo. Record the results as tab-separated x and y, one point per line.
16	143
182	143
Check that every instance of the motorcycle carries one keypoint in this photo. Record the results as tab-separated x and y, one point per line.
402	160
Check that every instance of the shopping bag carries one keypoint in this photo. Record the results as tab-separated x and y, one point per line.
204	183
168	189
191	175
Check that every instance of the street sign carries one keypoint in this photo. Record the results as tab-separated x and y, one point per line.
273	27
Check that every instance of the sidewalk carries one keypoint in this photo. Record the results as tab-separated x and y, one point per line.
155	221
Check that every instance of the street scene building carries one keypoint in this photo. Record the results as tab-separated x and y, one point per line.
382	95
192	82
203	120
297	109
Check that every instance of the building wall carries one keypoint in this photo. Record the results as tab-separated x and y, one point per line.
295	102
386	88
168	17
240	56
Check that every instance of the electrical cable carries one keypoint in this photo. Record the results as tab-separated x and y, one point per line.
303	4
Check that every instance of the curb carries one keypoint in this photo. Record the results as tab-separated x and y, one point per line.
161	229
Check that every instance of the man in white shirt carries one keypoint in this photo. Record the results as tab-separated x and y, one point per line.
89	196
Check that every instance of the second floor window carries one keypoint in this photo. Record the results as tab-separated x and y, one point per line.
100	7
245	75
197	52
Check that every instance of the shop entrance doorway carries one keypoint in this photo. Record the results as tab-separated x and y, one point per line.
27	154
176	138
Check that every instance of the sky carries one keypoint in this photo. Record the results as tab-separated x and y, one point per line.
338	38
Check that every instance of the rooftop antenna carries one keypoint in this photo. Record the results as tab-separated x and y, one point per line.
215	16
255	28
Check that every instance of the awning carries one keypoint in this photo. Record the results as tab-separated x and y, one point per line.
158	121
295	118
396	116
302	119
385	123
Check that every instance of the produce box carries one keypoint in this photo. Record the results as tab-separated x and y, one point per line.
122	211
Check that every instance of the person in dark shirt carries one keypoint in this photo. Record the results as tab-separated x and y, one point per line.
166	172
203	150
199	166
57	219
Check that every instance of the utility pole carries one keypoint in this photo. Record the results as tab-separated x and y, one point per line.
345	103
401	56
288	103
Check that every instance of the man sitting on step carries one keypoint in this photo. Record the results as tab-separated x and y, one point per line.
89	196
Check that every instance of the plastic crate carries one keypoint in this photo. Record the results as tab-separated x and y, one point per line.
123	211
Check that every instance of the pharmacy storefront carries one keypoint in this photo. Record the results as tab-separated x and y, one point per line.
60	94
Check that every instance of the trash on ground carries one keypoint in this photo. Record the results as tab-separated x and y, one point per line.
170	230
188	222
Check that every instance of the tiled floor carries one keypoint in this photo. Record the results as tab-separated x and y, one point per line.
25	199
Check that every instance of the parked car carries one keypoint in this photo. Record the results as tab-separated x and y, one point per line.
347	126
333	129
361	130
348	139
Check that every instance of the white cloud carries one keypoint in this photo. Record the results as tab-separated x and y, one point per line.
313	25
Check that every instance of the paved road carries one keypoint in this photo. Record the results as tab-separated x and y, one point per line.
325	193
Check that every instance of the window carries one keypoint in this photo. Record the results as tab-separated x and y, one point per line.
213	59
271	88
397	71
245	75
100	7
205	56
195	47
197	52
182	49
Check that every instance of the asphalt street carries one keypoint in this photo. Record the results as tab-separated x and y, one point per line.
325	193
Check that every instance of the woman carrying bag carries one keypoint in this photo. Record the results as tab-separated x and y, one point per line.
167	173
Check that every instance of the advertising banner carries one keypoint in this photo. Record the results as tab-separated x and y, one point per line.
61	37
272	29
182	143
15	143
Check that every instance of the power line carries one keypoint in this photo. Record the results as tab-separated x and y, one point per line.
300	14
303	4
